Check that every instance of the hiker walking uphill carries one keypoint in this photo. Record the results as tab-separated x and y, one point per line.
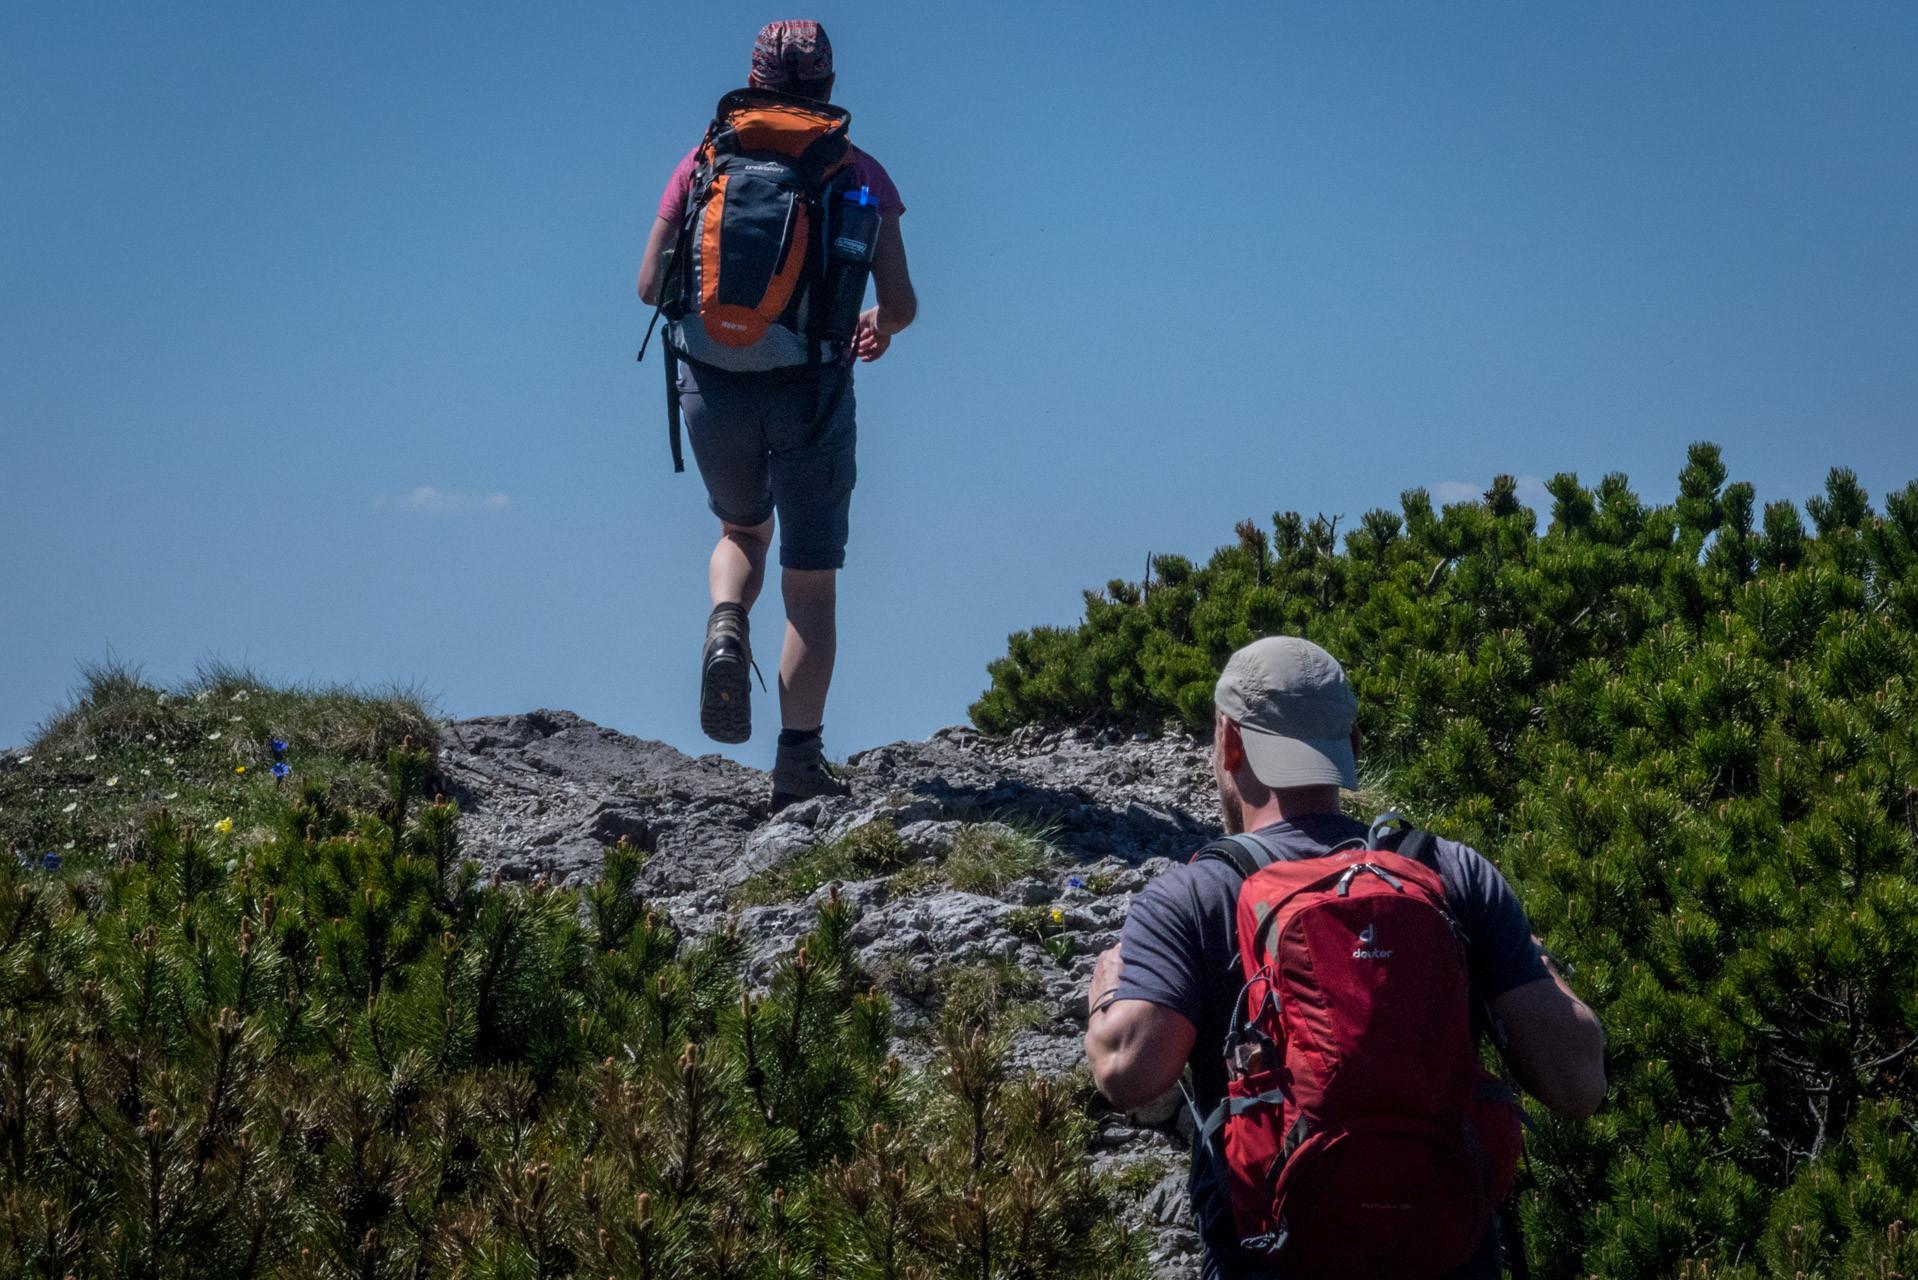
1325	981
759	260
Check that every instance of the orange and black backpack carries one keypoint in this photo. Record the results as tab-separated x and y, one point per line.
744	287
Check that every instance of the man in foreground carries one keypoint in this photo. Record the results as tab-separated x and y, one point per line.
781	440
1284	743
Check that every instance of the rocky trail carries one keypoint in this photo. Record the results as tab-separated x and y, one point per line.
1051	835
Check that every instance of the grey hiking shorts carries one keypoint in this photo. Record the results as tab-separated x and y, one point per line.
761	448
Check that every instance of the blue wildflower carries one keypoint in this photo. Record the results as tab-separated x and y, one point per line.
279	748
51	861
1074	882
281	768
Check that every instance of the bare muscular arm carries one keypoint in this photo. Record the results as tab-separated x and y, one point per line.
1554	1045
1136	1049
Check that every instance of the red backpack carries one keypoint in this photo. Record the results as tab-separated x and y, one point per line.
1360	1135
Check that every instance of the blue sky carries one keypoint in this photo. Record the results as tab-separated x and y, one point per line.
317	322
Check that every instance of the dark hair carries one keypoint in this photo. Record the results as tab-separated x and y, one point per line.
819	90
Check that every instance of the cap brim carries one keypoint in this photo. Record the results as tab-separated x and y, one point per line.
1279	761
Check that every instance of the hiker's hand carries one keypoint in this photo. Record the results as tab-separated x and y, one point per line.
867	342
1105	980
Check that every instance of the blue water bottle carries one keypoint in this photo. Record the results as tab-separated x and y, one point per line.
855	233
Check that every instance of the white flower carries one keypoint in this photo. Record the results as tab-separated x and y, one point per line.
26	759
166	759
114	781
240	696
93	757
211	736
235	719
70	808
146	773
171	795
67	845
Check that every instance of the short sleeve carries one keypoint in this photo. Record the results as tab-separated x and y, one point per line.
874	177
679	188
1161	950
1499	948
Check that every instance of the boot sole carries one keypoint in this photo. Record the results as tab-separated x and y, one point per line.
783	798
725	700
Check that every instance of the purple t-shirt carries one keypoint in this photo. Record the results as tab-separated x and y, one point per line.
868	173
1181	949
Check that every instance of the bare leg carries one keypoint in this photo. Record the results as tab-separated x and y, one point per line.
738	567
812	638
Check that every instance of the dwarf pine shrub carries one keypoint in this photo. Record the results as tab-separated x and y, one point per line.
1689	735
311	1043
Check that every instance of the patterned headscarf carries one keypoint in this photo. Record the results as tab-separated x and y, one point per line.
788	51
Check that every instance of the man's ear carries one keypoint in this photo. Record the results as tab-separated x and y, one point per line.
1231	745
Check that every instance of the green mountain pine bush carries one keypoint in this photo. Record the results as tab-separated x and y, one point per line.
311	1044
1688	733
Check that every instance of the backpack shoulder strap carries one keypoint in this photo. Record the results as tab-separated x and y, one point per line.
1392	833
1420	846
1244	853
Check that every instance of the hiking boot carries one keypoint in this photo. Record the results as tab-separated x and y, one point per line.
725	694
800	773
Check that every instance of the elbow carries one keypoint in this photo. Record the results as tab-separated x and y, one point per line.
1579	1090
1575	1097
1103	1063
898	311
1110	1072
1121	1079
1125	1092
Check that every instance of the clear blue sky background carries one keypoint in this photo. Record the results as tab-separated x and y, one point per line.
266	271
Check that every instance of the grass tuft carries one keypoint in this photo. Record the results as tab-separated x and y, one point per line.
988	857
123	749
868	850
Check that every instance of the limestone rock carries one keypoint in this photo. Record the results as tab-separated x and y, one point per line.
546	792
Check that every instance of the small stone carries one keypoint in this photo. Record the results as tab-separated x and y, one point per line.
1029	892
929	839
1159	1110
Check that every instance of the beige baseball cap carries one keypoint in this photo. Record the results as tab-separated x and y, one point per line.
1294	710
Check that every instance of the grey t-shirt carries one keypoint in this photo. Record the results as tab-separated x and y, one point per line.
1181	950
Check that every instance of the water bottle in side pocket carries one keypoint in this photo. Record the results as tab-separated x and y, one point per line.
855	233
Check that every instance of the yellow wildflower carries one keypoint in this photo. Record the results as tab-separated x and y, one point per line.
223	825
1058	916
241	769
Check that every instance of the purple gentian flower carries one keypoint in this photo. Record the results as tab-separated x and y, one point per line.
279	748
51	861
281	768
1074	882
